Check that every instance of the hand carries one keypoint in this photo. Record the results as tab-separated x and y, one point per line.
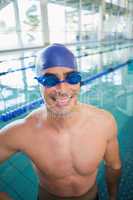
4	196
112	198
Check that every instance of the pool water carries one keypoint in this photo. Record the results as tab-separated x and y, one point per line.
113	92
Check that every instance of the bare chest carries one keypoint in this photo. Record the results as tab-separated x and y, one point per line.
67	154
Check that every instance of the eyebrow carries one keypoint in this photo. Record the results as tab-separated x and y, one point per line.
65	73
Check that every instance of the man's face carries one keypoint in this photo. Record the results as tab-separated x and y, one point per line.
60	99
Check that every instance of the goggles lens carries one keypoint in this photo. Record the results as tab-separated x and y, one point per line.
50	80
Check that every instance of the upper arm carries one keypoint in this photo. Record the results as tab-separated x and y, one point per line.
10	139
112	155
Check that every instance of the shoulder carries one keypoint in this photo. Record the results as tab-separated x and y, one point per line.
18	133
95	111
103	118
36	115
98	112
23	125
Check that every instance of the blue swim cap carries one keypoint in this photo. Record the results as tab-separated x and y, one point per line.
56	55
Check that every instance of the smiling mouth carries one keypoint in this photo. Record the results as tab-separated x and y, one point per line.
62	101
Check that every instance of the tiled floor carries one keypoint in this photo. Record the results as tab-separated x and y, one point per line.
18	178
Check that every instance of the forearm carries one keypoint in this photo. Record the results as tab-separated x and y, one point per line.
113	179
5	153
6	150
4	196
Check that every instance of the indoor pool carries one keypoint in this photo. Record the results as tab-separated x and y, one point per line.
112	92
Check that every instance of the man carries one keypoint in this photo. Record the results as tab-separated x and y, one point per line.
66	140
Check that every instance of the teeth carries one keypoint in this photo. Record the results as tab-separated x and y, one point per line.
61	99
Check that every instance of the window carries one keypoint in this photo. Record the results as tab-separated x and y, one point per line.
20	25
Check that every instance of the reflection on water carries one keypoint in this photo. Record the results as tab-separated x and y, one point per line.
124	103
124	98
18	87
114	91
102	57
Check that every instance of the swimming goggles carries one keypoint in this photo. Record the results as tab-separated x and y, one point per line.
51	80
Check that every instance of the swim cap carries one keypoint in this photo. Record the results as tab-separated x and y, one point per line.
56	55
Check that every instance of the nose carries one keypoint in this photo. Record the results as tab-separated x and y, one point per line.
62	85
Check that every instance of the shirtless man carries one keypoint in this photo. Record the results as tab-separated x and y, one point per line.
66	140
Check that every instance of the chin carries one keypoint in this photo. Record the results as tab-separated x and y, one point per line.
62	111
62	114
